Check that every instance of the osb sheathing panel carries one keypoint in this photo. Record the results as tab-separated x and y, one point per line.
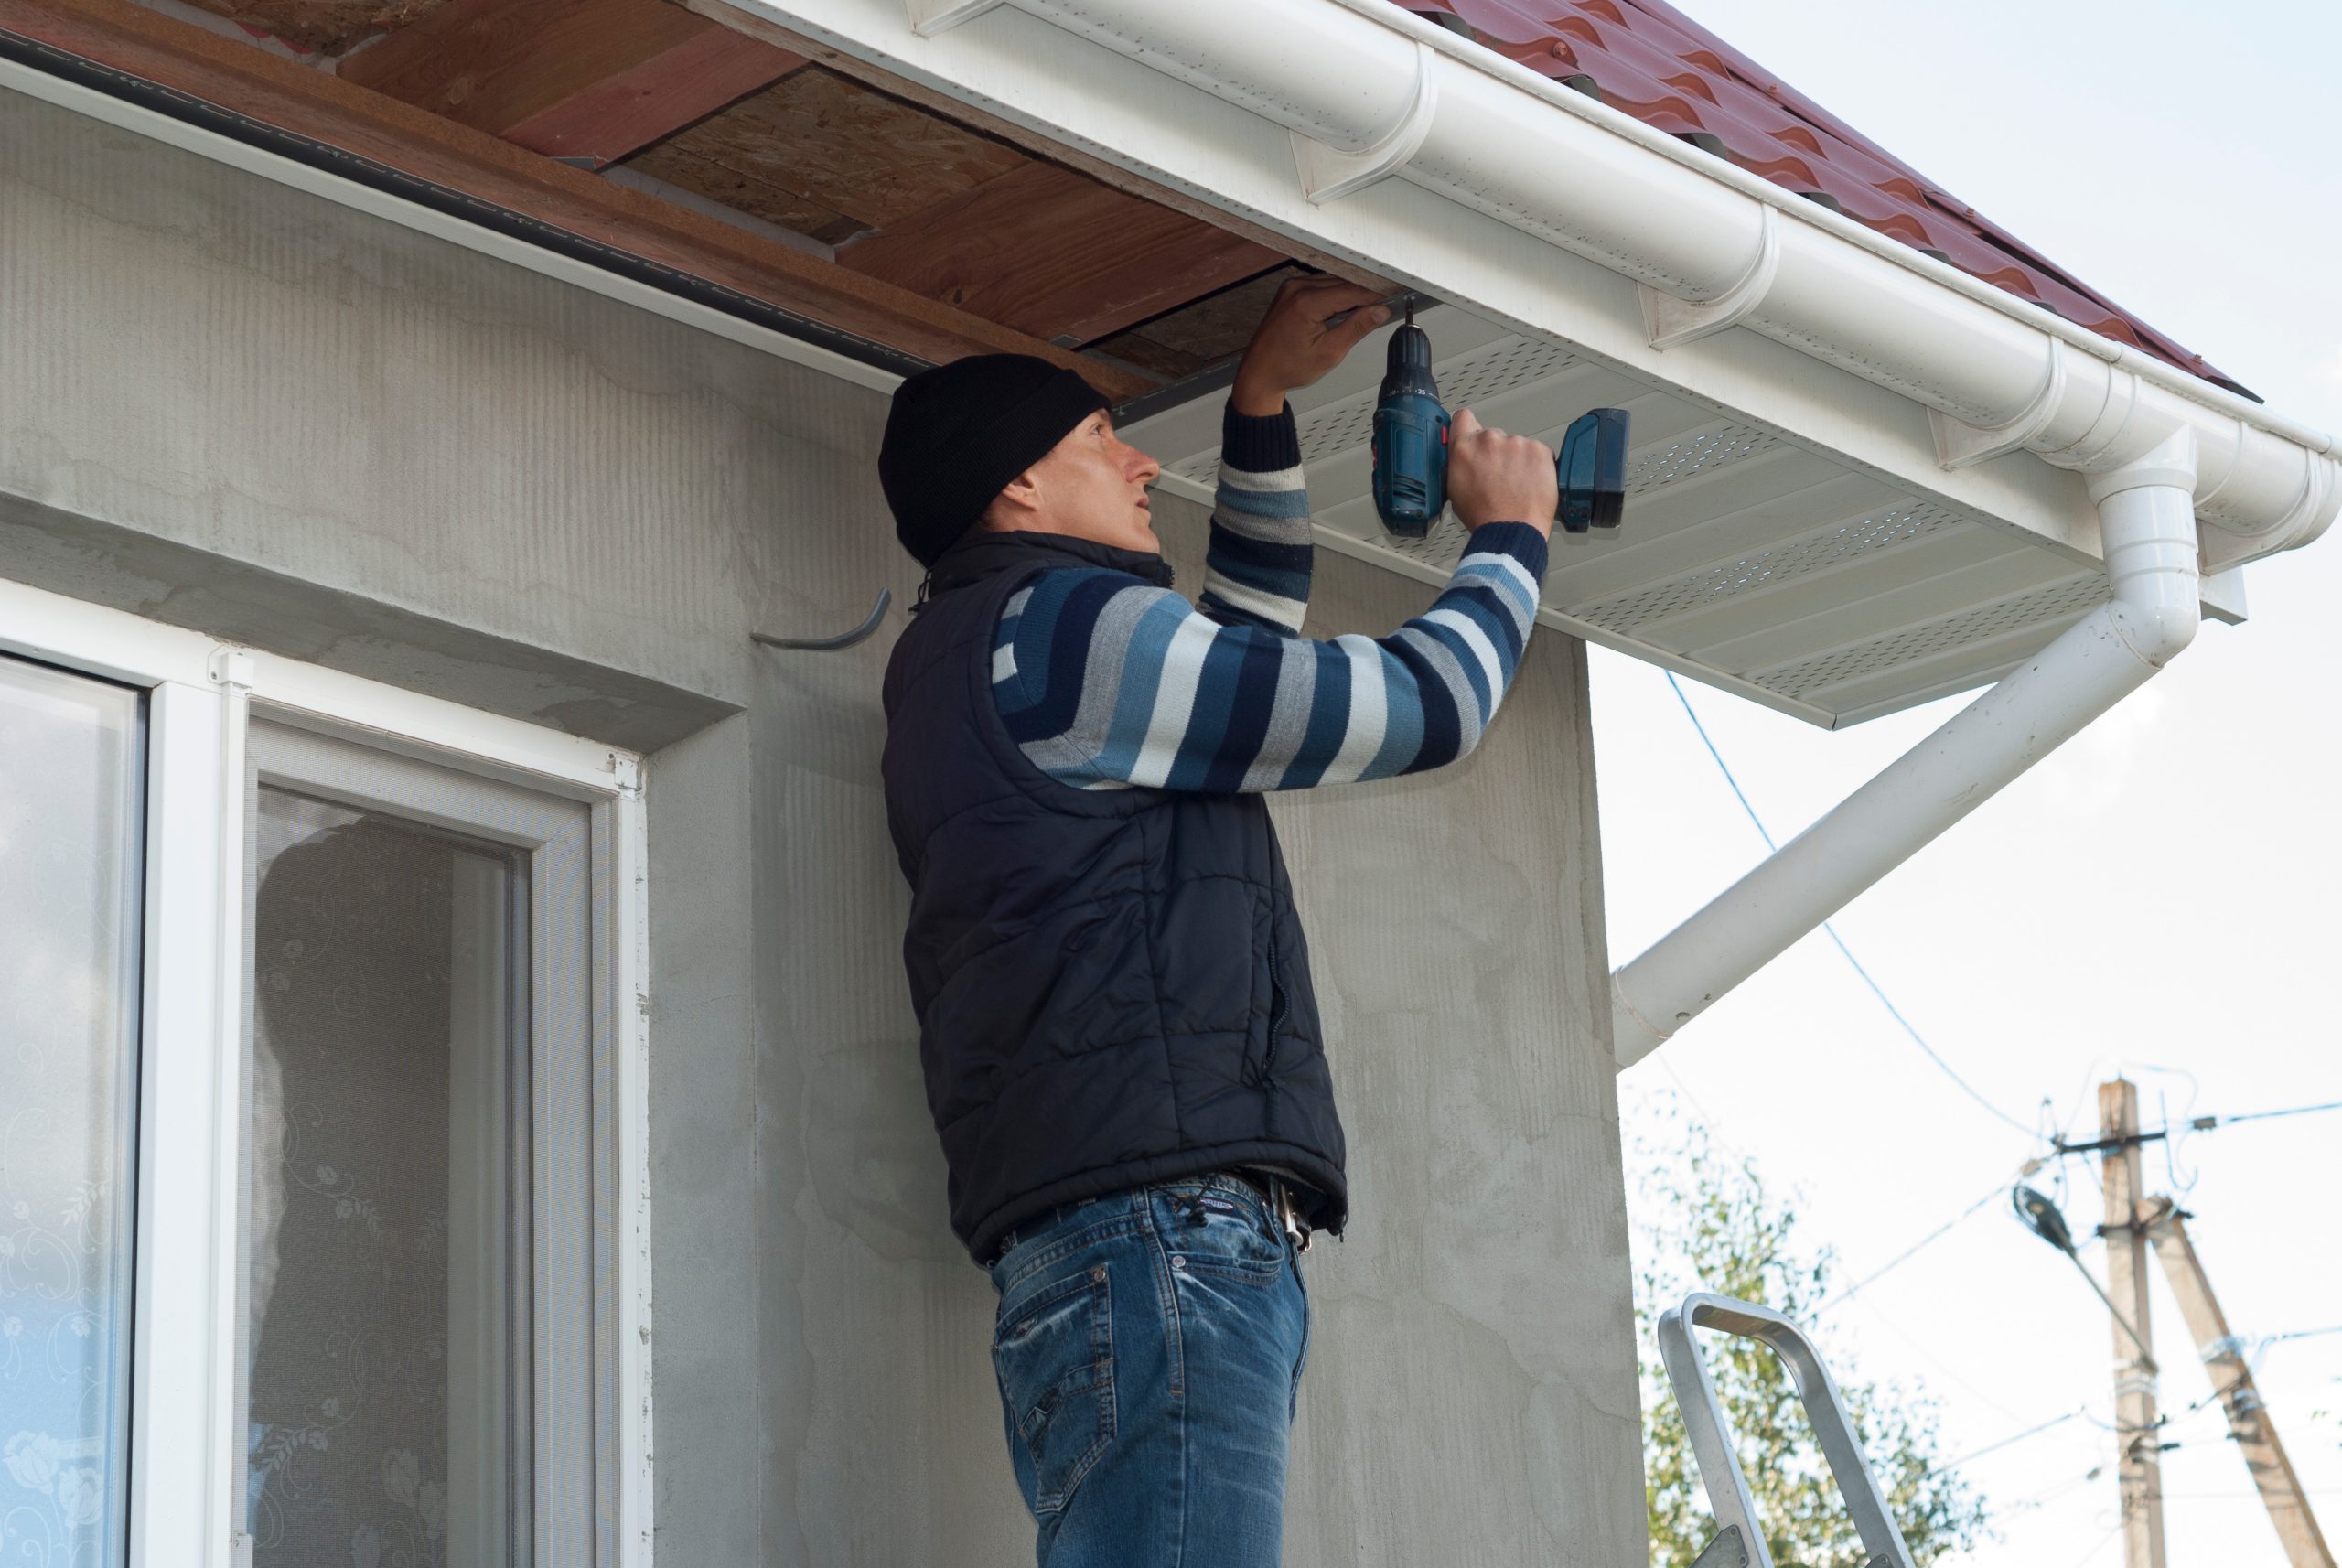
325	26
744	191
815	148
1197	336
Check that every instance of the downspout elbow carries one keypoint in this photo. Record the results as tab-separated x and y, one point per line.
2146	515
2157	632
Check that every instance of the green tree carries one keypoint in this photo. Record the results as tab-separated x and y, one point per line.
1704	1222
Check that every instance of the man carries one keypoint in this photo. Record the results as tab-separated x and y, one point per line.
1119	1035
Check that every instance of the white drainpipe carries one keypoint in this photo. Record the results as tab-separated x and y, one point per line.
2149	532
1369	93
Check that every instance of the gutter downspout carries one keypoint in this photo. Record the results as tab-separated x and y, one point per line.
2148	526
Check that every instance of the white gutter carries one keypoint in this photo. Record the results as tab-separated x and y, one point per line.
2149	544
1370	92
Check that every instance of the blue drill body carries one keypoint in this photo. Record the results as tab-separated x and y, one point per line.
1410	449
1410	461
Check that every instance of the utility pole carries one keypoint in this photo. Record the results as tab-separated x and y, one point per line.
2249	1421
2140	1472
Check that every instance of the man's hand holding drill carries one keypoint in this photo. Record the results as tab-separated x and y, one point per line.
1496	478
1313	324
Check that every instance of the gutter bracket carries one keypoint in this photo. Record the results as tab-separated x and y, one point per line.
928	17
1327	173
2223	595
1669	320
1960	444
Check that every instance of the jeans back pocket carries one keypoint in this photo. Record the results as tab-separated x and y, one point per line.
1054	1356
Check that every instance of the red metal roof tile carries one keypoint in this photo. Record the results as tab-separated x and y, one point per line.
1648	58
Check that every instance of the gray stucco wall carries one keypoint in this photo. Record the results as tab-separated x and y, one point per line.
234	406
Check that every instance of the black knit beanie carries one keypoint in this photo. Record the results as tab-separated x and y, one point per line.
958	433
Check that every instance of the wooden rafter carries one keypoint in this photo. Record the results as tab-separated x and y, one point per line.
1057	255
336	113
593	79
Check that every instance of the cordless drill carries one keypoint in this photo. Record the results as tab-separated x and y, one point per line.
1410	449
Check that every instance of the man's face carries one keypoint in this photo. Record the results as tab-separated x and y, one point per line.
1092	485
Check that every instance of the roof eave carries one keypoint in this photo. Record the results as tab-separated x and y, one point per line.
1366	131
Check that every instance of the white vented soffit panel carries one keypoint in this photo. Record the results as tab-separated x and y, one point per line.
1861	476
1747	560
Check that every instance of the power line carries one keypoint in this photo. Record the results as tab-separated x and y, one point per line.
2165	1133
2049	1494
1876	989
2104	1542
2219	1393
2053	1420
2206	1123
1705	1119
1721	767
1906	1254
2259	1345
1920	1349
2248	1497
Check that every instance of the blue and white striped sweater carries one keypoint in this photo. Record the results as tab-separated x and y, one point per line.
1106	681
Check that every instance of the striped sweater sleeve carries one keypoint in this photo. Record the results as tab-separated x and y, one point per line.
1105	681
1257	565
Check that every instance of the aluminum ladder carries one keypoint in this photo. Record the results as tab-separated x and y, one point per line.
1738	1542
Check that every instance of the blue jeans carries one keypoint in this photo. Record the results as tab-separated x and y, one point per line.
1149	1350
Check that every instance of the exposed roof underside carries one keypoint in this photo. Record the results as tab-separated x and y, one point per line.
904	202
1649	59
1749	559
949	210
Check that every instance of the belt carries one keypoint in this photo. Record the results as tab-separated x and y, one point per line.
1274	1190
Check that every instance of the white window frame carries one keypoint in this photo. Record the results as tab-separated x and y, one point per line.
187	1449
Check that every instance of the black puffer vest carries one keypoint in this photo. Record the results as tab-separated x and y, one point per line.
1112	986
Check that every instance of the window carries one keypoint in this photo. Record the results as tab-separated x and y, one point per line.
72	787
323	1144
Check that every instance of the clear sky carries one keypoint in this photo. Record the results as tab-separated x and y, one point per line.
2158	897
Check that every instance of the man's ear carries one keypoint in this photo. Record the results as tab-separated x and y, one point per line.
1018	500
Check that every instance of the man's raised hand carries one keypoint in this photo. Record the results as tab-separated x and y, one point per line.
1496	478
1297	342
